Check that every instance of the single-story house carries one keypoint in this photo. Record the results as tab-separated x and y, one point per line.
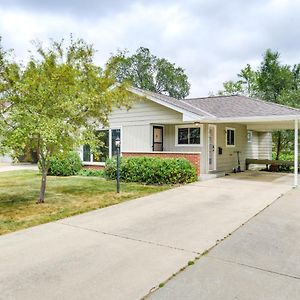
210	132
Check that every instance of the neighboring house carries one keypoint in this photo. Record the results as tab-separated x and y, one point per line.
208	131
5	159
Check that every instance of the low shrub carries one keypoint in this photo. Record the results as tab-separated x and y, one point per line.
91	173
65	165
152	170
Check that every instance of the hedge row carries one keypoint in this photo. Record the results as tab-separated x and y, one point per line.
152	170
65	165
147	170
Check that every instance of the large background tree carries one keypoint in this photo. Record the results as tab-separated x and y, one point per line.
271	81
146	71
56	102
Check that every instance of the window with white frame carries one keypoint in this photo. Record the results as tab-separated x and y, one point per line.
249	136
188	135
230	137
108	148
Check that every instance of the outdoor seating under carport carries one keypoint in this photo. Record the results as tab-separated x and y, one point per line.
269	124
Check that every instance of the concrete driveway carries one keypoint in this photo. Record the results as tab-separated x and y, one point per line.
258	261
123	251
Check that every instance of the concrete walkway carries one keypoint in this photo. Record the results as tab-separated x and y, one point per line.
123	251
16	167
261	260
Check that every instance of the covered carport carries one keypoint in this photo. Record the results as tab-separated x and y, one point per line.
269	124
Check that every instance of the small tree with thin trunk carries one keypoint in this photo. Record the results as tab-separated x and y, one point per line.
56	102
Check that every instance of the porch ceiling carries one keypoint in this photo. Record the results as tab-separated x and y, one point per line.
271	125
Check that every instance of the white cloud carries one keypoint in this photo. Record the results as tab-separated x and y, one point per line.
211	40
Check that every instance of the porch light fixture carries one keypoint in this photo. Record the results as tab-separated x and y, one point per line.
197	123
117	143
118	146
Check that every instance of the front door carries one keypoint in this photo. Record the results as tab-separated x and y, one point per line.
158	134
212	138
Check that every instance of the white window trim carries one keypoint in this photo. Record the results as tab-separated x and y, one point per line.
251	136
189	126
230	128
215	144
91	162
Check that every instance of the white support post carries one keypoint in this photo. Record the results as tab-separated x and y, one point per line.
296	154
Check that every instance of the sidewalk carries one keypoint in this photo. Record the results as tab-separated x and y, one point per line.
261	260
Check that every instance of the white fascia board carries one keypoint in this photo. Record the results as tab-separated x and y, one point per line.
258	119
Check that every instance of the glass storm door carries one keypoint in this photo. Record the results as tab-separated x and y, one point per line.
157	138
212	134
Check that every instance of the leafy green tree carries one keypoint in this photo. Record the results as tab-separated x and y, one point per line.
273	77
275	80
146	71
272	81
56	102
245	85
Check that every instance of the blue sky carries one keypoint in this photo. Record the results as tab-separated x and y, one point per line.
212	40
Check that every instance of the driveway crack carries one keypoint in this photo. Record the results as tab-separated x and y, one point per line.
128	238
253	267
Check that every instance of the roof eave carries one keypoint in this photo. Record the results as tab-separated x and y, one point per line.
254	119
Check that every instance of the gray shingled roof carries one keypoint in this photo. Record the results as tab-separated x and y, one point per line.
236	106
174	102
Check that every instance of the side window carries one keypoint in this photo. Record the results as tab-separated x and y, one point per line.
249	136
104	149
108	148
230	137
86	153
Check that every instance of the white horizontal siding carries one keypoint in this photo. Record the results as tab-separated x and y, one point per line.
228	159
136	138
252	147
261	146
265	145
144	112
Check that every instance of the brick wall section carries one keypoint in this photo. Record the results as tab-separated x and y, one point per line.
194	158
93	167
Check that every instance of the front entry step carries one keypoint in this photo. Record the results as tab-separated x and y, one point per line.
204	177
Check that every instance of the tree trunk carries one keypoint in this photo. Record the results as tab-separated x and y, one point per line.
43	186
278	146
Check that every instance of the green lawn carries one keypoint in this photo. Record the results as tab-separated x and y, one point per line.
65	196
